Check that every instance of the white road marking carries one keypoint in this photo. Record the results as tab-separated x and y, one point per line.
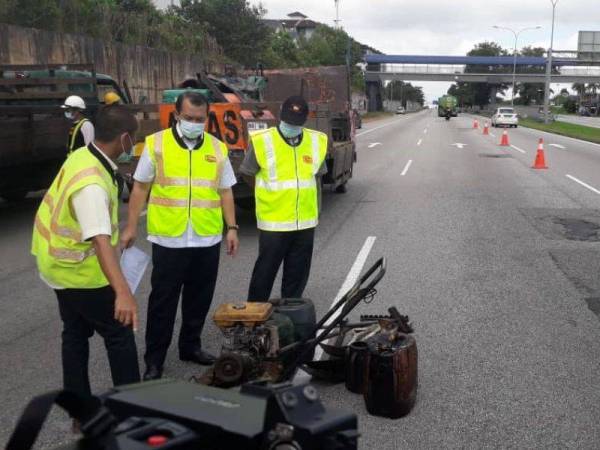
459	145
518	149
377	128
425	131
562	147
406	167
374	144
576	180
350	280
492	134
420	141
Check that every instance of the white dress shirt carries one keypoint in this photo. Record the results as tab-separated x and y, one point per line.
88	132
145	173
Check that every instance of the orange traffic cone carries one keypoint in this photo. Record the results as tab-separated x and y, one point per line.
475	124
540	161
504	140
486	129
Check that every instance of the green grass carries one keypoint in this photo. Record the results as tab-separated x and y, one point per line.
375	115
582	132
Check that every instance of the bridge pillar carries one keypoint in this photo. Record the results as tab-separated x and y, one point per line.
375	102
493	94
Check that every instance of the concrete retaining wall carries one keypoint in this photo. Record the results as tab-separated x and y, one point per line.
147	71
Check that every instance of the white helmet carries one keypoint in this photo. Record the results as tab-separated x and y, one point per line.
74	101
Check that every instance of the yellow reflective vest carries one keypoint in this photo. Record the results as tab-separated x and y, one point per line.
75	137
286	187
186	186
62	257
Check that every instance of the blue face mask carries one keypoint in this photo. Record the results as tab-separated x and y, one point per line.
191	130
289	131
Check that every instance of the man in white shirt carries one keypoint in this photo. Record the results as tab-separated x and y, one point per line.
187	178
74	241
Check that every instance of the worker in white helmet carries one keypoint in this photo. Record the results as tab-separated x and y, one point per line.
82	131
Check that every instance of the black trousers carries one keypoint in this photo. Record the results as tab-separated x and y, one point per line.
84	311
191	273
294	249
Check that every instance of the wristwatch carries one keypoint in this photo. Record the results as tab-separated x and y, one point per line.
233	227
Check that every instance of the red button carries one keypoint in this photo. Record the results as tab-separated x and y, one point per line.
157	440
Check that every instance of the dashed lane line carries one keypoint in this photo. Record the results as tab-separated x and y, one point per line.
585	185
518	149
406	167
420	141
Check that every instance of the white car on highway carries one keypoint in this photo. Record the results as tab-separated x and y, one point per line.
505	117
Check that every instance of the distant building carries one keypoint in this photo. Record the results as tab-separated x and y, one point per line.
297	25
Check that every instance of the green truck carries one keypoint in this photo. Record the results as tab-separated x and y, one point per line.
33	129
447	104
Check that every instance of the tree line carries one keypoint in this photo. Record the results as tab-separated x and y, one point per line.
404	92
479	94
236	25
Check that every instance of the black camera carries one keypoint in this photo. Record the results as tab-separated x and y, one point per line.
173	415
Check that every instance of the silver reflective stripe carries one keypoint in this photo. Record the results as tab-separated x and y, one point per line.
169	202
315	152
273	186
270	153
286	226
206	203
202	182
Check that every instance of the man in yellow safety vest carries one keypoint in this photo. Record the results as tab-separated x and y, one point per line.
75	236
186	176
287	163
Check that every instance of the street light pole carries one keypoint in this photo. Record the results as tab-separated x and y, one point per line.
549	68
514	77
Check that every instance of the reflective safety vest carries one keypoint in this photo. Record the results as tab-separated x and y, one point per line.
63	258
186	186
286	187
76	137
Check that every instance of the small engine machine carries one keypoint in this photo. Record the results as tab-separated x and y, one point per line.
251	340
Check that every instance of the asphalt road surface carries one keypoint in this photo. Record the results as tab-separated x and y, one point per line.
496	264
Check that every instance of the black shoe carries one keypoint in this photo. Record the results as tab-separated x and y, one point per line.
153	373
198	356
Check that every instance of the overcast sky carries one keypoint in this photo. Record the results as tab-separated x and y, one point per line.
446	27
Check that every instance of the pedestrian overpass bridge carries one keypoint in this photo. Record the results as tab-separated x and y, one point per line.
381	68
493	70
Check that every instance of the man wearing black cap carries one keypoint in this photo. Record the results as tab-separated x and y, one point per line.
286	162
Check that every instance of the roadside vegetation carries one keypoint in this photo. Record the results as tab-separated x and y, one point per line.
236	25
582	132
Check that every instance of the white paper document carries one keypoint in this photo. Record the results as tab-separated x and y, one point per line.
133	264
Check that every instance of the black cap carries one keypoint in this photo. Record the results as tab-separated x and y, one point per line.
294	110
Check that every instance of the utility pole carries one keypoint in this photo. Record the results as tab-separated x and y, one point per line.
514	78
549	68
337	14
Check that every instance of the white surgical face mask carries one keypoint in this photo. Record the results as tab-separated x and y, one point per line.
126	155
191	130
69	115
289	131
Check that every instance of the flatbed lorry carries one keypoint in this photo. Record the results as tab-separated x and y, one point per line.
33	130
